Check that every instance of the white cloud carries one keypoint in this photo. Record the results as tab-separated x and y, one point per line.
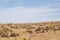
27	12
7	1
21	14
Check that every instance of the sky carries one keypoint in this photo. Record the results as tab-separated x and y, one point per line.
26	11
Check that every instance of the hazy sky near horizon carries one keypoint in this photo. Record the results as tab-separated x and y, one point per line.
22	11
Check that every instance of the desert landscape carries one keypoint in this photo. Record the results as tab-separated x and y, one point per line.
30	31
29	19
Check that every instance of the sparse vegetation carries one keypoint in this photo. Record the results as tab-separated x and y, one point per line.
14	34
4	35
22	30
26	39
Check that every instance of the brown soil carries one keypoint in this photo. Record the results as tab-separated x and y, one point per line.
30	31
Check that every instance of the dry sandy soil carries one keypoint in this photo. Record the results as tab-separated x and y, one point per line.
30	31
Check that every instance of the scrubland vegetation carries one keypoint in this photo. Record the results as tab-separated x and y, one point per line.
30	31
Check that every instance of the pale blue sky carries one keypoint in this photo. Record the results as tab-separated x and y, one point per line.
22	11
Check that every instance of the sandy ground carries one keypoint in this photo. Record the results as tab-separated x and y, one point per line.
27	31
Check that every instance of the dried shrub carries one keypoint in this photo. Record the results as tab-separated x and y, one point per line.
26	39
7	29
12	27
46	29
14	34
4	34
30	31
39	30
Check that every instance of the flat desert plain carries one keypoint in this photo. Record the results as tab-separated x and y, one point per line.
30	31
